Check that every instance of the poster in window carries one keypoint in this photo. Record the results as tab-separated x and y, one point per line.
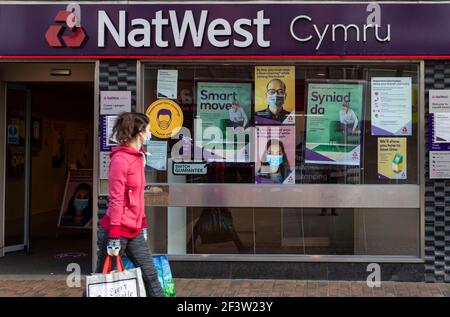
391	106
157	155
274	95
392	159
334	123
275	155
167	84
76	207
223	116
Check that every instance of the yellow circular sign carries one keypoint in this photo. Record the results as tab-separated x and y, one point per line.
166	118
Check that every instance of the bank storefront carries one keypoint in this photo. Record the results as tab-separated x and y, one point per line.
289	139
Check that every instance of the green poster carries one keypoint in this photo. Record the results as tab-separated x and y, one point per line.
334	123
225	106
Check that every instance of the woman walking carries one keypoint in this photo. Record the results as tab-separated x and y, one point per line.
124	227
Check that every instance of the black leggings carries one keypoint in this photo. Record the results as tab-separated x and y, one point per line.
139	253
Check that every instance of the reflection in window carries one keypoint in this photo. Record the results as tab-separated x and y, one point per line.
296	231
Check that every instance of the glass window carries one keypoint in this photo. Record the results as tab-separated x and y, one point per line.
286	123
330	140
296	231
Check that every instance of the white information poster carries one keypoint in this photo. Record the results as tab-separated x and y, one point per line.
104	165
115	102
391	106
167	83
439	100
441	128
439	124
439	164
110	139
158	155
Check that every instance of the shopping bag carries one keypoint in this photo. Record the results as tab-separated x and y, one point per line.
164	273
118	283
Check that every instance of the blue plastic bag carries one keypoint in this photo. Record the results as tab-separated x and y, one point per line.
164	273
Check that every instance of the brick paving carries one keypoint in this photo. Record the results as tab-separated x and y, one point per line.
56	287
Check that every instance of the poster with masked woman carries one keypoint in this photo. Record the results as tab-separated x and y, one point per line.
275	155
76	207
274	95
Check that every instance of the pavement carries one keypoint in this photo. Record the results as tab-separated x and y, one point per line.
55	286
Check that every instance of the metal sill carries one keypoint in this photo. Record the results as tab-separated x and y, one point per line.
295	258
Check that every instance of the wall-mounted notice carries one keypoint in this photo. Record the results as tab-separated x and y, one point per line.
334	123
107	141
190	168
13	134
439	136
440	164
274	95
391	106
104	165
439	100
157	158
392	159
167	83
115	102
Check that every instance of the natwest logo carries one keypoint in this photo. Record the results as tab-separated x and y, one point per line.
67	30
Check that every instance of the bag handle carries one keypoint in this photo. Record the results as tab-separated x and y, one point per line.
107	266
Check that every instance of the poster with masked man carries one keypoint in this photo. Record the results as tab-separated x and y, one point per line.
274	95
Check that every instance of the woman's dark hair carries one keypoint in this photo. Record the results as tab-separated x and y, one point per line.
128	125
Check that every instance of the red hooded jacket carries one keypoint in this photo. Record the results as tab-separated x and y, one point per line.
125	216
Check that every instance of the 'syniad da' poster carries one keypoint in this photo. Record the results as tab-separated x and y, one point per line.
275	154
334	123
223	115
391	106
274	95
392	160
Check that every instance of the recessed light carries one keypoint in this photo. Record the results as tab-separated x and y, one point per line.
60	72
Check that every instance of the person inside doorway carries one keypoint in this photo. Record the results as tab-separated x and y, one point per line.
79	210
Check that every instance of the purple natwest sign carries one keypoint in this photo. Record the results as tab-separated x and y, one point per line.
225	29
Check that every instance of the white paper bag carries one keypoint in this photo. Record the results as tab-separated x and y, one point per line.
128	283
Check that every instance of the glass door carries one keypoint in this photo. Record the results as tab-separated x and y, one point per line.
17	168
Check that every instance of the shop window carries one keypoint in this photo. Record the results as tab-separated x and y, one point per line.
295	231
335	124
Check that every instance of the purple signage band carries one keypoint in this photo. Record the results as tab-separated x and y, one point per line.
232	30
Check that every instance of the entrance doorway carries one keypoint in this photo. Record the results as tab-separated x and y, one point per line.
48	177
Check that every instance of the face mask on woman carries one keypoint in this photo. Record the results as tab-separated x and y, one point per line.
274	160
146	138
80	204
